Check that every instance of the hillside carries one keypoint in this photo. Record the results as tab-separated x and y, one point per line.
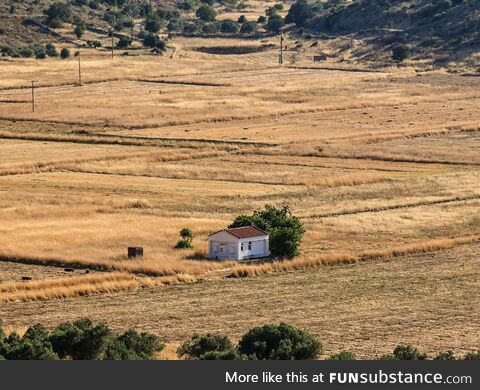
430	34
439	32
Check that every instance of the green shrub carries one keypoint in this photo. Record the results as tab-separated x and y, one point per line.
153	23
228	26
248	28
278	342
133	346
153	41
275	23
26	52
407	352
299	13
186	239
80	340
344	355
472	355
79	29
124	42
206	13
51	50
208	347
400	53
64	53
57	13
447	355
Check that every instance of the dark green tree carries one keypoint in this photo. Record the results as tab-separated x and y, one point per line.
186	237
299	13
64	53
400	53
80	340
228	26
51	50
248	28
285	230
124	42
275	23
278	342
208	347
206	13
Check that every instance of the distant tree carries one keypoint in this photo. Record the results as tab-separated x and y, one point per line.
57	13
208	347
79	29
124	42
39	51
299	13
285	230
64	53
185	240
400	53
261	19
206	13
248	27
26	52
208	2
153	23
278	342
242	19
51	50
153	41
275	23
228	26
94	44
210	28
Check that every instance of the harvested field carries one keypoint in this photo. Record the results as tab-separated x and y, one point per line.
364	307
382	167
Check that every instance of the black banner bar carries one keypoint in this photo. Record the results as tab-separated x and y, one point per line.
239	375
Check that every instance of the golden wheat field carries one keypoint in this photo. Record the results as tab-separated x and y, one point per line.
382	167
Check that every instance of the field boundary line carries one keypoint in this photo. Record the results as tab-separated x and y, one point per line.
112	139
393	207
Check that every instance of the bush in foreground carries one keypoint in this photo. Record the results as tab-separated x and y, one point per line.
80	340
278	342
208	347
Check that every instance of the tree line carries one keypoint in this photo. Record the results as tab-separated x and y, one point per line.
85	340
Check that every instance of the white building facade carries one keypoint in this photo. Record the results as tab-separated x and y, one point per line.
243	243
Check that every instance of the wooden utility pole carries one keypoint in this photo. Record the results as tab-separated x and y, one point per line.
79	70
33	94
112	43
280	58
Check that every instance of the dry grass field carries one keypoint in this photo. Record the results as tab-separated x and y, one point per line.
382	167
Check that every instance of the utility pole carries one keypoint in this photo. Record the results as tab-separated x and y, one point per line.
33	94
112	42
79	70
280	58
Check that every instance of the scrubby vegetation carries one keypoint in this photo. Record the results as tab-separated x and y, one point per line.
80	340
284	342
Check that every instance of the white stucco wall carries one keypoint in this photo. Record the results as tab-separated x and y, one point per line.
223	245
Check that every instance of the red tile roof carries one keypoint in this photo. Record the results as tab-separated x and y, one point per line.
245	232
